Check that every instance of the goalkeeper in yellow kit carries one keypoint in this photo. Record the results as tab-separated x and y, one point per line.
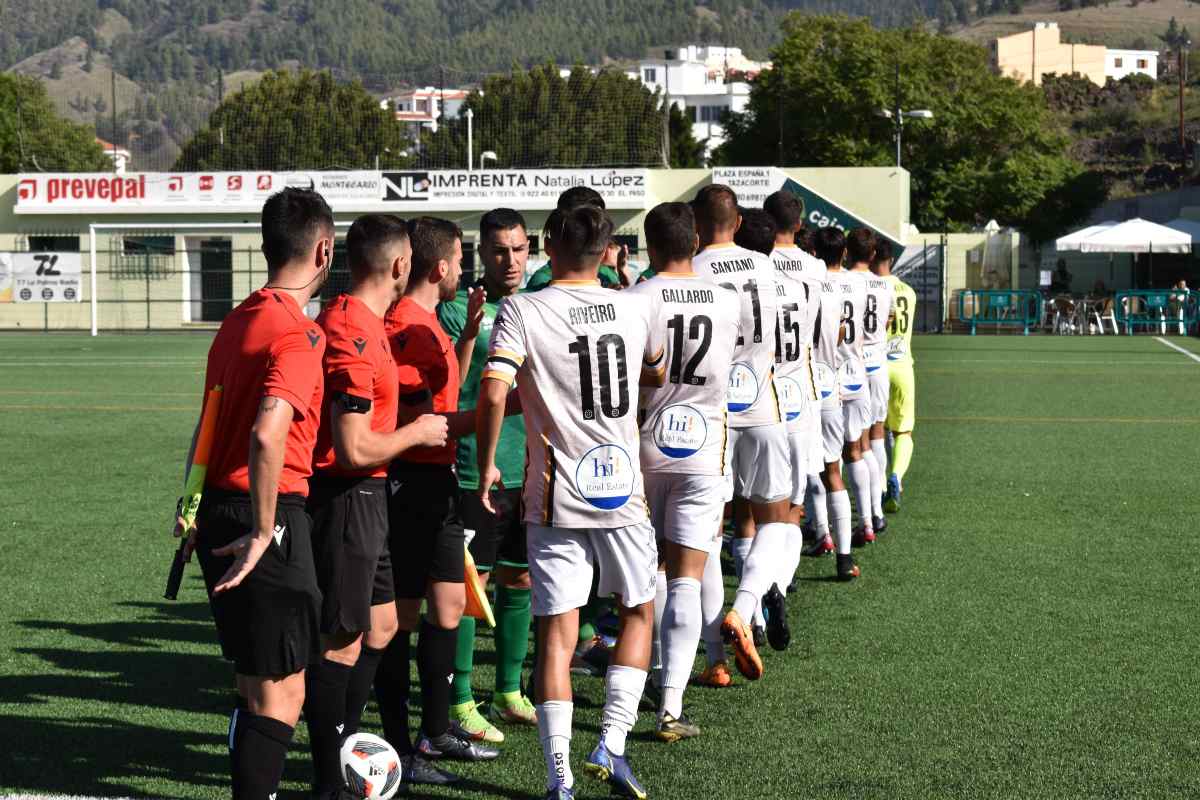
901	416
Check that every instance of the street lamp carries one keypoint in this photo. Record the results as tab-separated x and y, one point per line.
485	155
898	116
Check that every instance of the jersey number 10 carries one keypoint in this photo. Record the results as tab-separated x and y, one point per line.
609	347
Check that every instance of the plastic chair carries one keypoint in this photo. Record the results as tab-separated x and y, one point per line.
1105	312
1065	315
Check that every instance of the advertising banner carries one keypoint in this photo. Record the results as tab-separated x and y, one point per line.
40	277
753	184
360	191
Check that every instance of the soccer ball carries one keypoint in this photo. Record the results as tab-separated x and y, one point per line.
370	766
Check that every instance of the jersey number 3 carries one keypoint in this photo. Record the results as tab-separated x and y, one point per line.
609	347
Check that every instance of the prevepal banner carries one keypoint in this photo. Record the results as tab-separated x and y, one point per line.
754	184
361	191
40	277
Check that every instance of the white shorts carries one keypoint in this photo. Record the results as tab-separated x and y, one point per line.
799	443
561	561
833	428
880	392
858	414
761	466
812	438
686	509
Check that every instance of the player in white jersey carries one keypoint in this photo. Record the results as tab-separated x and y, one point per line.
757	435
799	278
684	439
830	330
758	233
571	348
875	319
851	288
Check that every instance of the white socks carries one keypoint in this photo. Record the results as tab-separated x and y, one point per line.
660	605
815	505
859	477
790	556
881	462
680	634
761	568
623	692
839	513
712	603
740	549
554	731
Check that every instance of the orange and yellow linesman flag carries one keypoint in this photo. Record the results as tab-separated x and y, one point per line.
477	602
193	487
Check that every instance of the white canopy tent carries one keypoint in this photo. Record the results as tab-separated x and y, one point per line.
1132	236
1137	236
1072	240
1189	226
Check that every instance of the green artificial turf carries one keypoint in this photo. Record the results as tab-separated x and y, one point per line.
1026	628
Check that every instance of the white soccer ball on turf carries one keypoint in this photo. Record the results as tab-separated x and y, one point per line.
370	766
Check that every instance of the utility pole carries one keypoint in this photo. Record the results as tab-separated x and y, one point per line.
112	73
897	117
1180	55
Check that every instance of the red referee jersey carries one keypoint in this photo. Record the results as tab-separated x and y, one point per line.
427	364
358	362
266	346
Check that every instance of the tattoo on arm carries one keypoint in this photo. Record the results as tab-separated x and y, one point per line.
269	404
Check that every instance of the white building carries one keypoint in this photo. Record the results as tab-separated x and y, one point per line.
119	155
1119	63
422	108
706	81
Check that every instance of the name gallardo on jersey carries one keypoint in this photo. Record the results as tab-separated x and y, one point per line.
751	399
577	351
683	422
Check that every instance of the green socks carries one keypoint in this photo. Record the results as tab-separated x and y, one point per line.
513	616
464	662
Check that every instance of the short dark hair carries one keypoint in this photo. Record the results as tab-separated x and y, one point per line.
292	219
584	233
671	230
860	245
757	232
716	206
499	219
580	196
368	240
804	240
553	223
883	251
830	244
785	208
432	241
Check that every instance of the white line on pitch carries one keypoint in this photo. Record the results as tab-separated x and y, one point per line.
1183	350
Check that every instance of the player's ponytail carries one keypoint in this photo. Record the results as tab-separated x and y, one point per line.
583	234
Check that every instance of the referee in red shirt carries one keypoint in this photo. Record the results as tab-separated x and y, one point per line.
357	439
426	533
252	533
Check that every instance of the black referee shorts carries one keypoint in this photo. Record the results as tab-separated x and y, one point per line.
268	625
425	531
350	549
499	539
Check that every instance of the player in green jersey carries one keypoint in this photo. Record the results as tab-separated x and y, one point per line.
498	543
901	416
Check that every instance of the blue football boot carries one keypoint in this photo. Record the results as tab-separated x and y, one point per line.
616	771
